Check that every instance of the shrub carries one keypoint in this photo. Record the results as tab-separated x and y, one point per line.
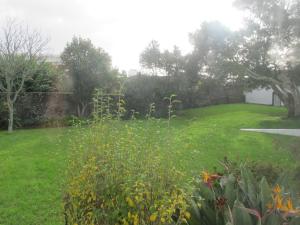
117	174
259	169
265	169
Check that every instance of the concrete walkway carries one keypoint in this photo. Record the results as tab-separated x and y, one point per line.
290	132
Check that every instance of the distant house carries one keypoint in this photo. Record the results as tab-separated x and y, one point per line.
264	96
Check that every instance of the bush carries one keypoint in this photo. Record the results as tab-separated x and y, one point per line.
117	175
259	169
267	170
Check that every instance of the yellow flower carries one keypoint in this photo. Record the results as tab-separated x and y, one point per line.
125	222
162	220
135	219
153	217
187	215
129	202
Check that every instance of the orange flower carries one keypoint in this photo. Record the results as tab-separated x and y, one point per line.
287	208
289	205
209	178
205	177
269	206
277	189
278	202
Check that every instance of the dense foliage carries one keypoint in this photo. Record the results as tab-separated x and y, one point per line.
265	53
33	100
118	176
141	90
88	68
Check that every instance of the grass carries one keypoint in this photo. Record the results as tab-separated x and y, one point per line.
208	134
33	161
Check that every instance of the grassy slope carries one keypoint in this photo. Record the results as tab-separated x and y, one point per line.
211	133
33	161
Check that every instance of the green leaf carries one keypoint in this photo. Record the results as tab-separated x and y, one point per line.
265	195
230	190
240	216
249	188
273	219
295	221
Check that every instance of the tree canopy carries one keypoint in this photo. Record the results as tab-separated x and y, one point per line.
269	47
89	68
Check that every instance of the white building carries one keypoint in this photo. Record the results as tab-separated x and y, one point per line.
262	96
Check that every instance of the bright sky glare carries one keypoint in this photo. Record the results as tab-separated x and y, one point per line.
122	27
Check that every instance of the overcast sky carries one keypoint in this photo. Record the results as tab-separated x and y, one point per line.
122	27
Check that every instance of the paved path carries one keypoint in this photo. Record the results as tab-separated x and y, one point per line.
290	132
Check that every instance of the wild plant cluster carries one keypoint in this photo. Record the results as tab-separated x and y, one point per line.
117	174
121	172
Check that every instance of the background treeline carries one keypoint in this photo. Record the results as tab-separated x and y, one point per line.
221	65
143	90
56	93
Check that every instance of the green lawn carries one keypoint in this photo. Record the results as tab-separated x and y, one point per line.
33	161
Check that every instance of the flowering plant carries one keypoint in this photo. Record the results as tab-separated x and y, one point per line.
237	198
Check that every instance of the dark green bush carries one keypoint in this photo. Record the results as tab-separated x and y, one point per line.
271	172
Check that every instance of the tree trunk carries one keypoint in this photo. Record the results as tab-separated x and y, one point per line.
81	108
296	105
285	88
297	111
290	107
291	100
11	117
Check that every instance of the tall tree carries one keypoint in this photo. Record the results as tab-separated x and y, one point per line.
269	49
162	63
20	56
213	56
172	62
89	68
150	58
